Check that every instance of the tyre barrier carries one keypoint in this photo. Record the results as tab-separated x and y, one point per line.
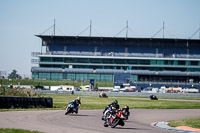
7	102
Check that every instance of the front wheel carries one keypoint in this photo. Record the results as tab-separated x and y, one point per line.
115	123
105	124
67	112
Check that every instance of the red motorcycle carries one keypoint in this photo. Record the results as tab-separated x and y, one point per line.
117	118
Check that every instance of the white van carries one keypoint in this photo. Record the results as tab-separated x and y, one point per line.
67	87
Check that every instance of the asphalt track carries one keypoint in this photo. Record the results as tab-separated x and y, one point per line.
89	121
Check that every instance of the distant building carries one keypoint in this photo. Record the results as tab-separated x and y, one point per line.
122	60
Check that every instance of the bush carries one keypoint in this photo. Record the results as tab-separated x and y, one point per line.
22	92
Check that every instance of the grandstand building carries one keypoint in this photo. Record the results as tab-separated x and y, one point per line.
117	59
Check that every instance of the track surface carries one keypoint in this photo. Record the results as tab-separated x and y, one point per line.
89	121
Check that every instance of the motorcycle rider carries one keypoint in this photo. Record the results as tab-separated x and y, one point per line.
110	119
125	111
114	105
77	102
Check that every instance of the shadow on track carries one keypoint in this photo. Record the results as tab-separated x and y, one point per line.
77	115
126	128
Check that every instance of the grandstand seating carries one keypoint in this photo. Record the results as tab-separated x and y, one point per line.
132	50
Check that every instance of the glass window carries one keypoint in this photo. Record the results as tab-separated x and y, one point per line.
119	61
132	61
106	77
134	78
56	76
71	76
193	69
181	62
160	62
81	77
166	62
82	60
68	60
44	76
95	60
144	62
194	63
153	62
35	75
45	59
57	59
107	61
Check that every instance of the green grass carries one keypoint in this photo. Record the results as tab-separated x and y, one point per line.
11	130
60	101
94	102
183	98
194	122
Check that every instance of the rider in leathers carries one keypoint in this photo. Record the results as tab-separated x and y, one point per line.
113	104
77	102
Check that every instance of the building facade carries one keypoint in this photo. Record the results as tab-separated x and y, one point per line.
118	59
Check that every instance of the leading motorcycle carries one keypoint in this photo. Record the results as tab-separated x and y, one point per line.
72	108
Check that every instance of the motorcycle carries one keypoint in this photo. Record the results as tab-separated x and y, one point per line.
72	108
107	112
153	97
118	118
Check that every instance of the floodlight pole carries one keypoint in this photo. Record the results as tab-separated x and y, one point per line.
54	27
199	31
126	28
90	28
163	29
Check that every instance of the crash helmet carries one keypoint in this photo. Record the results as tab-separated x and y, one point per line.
126	107
115	102
125	110
78	98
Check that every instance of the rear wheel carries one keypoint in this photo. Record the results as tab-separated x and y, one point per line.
122	123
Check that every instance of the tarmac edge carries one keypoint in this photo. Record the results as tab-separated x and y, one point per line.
164	125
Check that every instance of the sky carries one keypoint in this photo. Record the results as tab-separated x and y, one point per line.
21	20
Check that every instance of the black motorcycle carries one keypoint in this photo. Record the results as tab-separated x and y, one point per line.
153	97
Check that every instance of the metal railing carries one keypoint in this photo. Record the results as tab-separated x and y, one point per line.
35	54
117	54
34	61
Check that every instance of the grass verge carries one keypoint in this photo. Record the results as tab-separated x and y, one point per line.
12	130
60	101
194	122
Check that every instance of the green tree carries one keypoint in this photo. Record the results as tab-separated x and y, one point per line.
14	75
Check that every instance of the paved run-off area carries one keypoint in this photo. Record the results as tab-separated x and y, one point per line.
89	121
